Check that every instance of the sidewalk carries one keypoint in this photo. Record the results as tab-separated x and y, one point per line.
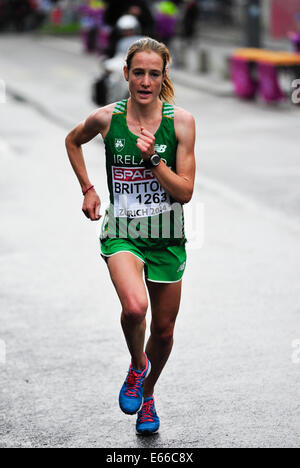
213	49
189	60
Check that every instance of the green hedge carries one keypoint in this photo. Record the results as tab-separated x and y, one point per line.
72	28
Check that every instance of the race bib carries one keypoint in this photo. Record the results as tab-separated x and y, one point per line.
137	193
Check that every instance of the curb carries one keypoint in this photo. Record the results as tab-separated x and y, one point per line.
199	83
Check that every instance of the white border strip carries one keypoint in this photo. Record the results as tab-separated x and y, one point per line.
164	282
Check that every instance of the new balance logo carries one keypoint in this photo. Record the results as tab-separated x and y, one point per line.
182	267
160	148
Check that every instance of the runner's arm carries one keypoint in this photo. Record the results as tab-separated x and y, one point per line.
84	132
179	185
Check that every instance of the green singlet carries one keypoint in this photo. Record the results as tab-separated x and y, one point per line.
142	218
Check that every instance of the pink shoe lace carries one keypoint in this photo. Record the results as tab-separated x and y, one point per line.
133	384
146	414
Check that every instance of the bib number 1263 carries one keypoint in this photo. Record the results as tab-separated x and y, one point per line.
137	193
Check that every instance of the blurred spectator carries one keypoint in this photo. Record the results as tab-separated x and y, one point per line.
166	20
129	29
143	13
20	11
111	86
190	19
224	10
139	8
4	14
38	14
220	11
208	9
117	8
44	6
91	22
23	15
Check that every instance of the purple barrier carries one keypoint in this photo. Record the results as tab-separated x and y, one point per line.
269	88
245	86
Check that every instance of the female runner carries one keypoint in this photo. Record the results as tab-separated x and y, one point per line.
150	166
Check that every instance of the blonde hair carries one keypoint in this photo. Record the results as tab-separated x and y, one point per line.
148	44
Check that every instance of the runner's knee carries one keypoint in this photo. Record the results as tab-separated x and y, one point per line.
135	310
164	334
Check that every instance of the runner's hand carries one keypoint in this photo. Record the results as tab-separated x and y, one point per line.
91	206
145	143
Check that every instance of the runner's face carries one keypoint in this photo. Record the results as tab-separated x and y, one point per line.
145	77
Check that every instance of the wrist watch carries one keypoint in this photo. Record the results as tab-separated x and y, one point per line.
154	161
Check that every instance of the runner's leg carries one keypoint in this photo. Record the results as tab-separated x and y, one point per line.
126	272
165	303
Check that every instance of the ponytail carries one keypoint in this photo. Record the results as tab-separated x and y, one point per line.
167	91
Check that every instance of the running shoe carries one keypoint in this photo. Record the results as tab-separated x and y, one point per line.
148	420
131	394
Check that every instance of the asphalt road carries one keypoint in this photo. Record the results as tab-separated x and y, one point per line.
233	377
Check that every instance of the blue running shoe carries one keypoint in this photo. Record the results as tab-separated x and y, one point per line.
131	394
148	420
